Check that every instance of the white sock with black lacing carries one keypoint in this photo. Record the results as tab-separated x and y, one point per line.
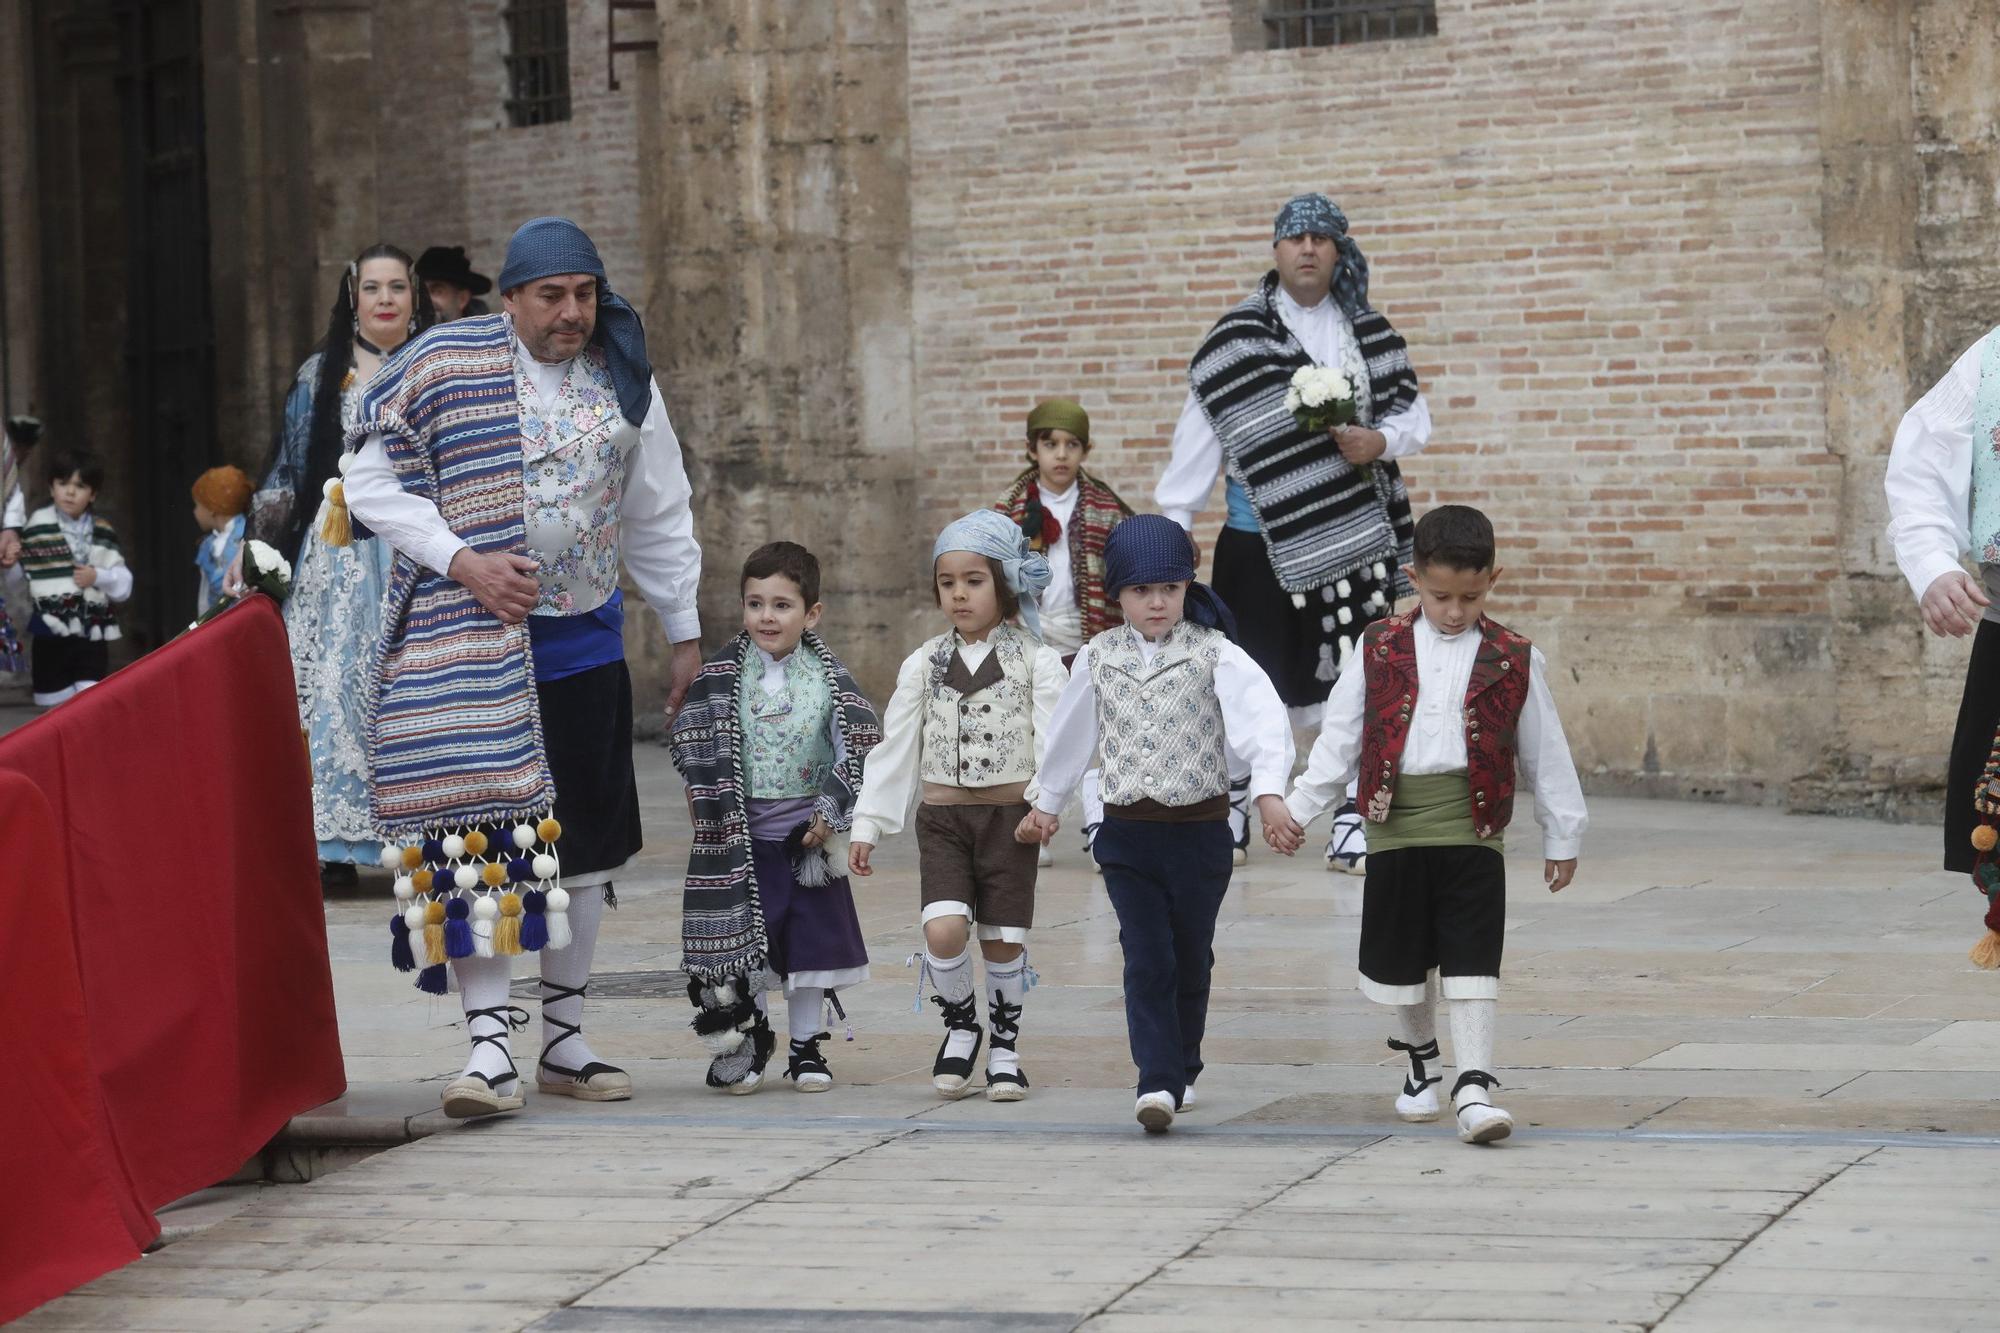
569	968
952	982
1006	987
482	985
1472	1024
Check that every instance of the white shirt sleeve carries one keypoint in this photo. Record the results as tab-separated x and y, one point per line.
116	582
656	526
889	776
15	515
1255	720
1050	682
407	522
1336	755
1547	769
1406	432
1929	479
1072	738
1197	456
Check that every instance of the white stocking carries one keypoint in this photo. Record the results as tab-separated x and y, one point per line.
1472	1034
482	984
570	967
804	1008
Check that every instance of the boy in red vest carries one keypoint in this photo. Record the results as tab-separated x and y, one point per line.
1445	704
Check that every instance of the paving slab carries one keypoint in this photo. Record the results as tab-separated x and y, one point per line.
1750	1093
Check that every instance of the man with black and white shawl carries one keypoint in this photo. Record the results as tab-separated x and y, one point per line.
1318	526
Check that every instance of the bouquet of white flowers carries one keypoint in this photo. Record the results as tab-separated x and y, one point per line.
264	570
1321	398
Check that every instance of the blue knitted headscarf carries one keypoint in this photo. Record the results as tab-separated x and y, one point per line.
544	247
990	533
1151	548
1317	215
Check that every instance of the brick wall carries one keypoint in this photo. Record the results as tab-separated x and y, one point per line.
1597	222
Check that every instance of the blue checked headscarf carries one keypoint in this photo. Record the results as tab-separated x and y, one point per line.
1318	215
1151	548
544	247
989	532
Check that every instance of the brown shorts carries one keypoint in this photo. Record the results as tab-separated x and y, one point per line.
967	854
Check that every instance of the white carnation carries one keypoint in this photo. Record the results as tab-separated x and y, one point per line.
260	557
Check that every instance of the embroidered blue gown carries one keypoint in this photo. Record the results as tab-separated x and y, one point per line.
334	618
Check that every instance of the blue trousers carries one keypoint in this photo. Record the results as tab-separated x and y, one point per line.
1166	882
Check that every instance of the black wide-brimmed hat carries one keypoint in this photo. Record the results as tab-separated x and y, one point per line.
447	263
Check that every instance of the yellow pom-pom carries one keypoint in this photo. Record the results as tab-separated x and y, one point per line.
412	857
433	914
510	904
421	882
1985	837
548	830
494	874
475	843
1986	953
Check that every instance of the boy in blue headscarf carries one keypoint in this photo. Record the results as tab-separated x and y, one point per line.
967	723
1167	696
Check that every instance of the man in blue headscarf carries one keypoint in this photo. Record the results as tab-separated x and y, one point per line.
1318	524
514	461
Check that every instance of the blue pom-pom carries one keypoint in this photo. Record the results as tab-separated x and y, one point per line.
520	870
399	945
433	850
457	930
534	925
431	980
443	881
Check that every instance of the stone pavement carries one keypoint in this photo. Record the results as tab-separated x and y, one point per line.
1758	1086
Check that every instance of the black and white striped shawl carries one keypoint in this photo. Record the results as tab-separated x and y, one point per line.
1320	517
722	922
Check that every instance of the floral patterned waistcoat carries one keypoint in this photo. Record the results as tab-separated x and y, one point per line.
787	747
1159	725
573	454
979	726
1493	702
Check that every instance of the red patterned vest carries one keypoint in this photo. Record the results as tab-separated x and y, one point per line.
1493	703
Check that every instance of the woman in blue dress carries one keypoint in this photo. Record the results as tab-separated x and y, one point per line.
334	613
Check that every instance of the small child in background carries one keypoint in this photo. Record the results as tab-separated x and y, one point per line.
966	727
1169	698
1434	713
1066	515
75	570
221	495
771	743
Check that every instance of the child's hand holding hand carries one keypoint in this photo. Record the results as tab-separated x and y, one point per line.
857	858
818	833
10	548
84	575
1558	874
1281	831
1038	828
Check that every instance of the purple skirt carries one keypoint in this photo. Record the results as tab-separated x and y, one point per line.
810	930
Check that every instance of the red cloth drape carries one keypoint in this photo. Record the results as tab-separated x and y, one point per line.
174	882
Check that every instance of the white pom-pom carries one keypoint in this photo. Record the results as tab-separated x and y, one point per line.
544	866
346	462
413	917
524	836
1346	615
454	847
484	908
1380	573
1344	588
391	858
1299	600
406	888
326	490
558	900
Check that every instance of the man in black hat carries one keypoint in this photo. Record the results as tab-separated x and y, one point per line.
455	289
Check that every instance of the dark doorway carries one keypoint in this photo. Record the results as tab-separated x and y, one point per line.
171	346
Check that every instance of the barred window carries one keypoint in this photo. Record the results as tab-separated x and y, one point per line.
537	61
1289	23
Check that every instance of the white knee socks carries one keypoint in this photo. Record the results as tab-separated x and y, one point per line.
804	1008
1472	1034
482	984
1006	984
952	980
570	967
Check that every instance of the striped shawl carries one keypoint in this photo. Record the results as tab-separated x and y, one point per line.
455	733
722	921
1098	510
62	609
1321	518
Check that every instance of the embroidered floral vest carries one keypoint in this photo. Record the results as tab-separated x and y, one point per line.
979	726
574	454
1160	726
1493	702
787	747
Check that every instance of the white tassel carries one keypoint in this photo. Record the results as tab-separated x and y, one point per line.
484	913
557	917
1344	588
1346	615
1299	600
